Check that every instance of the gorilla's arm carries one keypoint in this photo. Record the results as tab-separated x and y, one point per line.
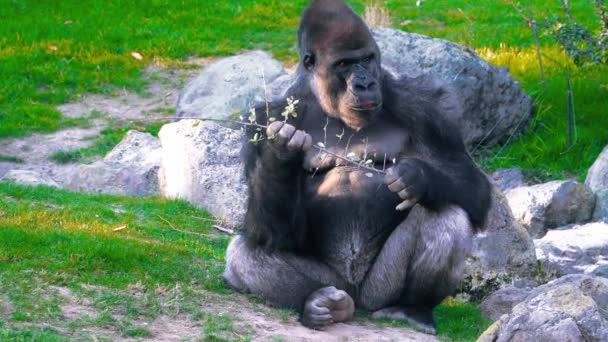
275	218
439	167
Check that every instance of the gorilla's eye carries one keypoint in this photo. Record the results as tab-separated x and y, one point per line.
367	59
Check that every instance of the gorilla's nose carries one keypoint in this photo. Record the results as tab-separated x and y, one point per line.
364	85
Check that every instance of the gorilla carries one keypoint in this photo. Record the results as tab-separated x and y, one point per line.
322	234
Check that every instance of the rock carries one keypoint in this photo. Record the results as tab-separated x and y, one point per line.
597	180
551	205
502	301
131	168
572	308
28	177
201	164
507	179
601	271
502	253
229	86
581	249
494	104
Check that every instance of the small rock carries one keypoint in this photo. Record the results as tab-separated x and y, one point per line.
597	180
225	89
201	163
551	205
131	168
507	179
571	308
581	249
28	177
502	301
601	271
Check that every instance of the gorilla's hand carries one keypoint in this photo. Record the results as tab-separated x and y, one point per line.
409	180
287	142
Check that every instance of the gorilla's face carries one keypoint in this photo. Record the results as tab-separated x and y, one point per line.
347	84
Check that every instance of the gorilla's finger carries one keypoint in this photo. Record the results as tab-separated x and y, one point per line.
397	185
286	132
319	310
307	142
274	128
405	205
391	175
338	296
321	320
404	194
297	141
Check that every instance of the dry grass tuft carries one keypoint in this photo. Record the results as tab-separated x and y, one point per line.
376	15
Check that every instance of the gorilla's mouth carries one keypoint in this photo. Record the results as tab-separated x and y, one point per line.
367	107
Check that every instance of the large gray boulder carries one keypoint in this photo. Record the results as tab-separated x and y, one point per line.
494	104
201	164
504	252
28	177
572	308
581	249
597	180
551	205
131	168
228	87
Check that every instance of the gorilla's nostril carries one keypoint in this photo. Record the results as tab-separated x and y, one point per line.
360	87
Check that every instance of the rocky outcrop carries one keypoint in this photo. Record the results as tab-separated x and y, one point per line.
581	249
131	168
572	308
28	177
551	205
502	302
597	181
228	87
201	164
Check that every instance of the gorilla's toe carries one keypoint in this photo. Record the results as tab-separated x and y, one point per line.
421	318
327	305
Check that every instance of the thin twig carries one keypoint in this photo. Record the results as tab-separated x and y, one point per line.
225	230
183	231
320	148
537	43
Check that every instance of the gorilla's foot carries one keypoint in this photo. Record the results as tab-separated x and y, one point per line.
325	306
420	317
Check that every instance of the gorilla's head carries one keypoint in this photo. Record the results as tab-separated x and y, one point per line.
342	60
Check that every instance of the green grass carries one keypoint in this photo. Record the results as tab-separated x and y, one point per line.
117	253
103	143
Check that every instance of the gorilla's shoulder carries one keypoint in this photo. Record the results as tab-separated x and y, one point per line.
426	103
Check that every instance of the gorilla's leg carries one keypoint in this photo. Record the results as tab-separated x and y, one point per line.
421	263
287	280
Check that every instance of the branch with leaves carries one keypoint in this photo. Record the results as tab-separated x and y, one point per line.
290	111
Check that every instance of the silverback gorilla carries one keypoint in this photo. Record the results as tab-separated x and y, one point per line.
322	235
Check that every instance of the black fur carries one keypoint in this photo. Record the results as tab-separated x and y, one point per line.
323	212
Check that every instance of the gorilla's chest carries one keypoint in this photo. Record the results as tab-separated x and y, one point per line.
350	210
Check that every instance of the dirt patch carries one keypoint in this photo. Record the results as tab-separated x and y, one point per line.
266	329
262	323
178	328
156	104
75	308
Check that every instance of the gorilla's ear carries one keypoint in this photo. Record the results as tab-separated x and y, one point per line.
309	61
